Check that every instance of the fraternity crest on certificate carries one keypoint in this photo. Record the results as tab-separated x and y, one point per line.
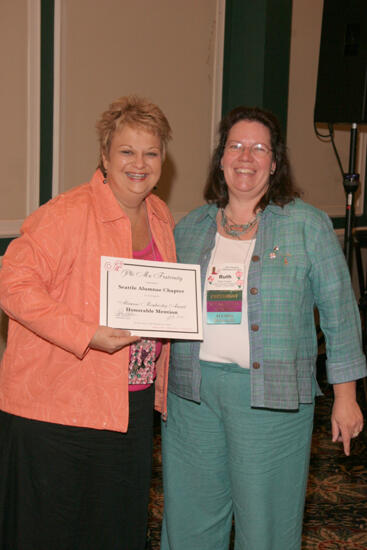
152	299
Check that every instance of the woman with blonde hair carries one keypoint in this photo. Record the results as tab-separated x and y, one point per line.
77	398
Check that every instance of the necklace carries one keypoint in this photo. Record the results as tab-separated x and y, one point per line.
237	229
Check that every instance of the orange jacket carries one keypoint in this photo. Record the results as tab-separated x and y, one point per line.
49	287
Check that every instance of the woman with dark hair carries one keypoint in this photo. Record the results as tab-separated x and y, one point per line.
281	189
240	403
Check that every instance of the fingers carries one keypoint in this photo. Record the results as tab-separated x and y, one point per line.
357	430
346	420
117	332
122	338
346	442
340	435
115	344
335	431
111	340
344	435
349	434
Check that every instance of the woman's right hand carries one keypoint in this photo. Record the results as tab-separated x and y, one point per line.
111	339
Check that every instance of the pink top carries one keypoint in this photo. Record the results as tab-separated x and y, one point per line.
150	252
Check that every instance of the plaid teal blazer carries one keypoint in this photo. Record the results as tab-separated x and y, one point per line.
297	264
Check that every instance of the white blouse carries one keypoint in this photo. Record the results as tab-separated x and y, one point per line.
228	343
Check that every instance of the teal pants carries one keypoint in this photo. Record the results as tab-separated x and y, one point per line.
221	458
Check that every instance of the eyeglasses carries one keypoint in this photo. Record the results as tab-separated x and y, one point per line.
258	150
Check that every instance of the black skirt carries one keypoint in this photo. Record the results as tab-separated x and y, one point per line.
69	488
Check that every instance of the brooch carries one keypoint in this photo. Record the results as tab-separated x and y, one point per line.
274	254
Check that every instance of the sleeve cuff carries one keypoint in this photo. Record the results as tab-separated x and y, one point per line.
337	373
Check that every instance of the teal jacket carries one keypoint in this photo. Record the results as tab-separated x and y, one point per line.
297	264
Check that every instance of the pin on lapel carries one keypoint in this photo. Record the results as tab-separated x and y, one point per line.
273	255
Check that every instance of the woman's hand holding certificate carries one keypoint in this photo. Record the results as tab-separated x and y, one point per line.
155	299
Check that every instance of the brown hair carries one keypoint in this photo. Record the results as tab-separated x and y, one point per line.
281	190
134	111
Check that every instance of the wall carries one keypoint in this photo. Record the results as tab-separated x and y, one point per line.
13	108
313	160
13	116
169	51
163	50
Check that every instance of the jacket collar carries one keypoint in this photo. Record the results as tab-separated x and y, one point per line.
278	210
109	209
211	210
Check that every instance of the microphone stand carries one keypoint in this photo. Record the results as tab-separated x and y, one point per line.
350	183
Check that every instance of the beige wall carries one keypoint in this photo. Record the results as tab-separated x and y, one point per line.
13	108
162	50
314	162
169	51
13	116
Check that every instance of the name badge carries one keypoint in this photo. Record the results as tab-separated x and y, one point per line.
224	294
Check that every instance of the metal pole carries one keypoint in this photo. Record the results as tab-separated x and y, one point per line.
351	182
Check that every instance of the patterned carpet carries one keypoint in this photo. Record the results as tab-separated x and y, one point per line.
336	504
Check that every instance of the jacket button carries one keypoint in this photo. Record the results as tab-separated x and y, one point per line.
255	258
253	290
256	365
254	327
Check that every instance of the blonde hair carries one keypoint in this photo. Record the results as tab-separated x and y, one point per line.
134	111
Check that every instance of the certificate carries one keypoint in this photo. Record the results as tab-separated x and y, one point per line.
151	299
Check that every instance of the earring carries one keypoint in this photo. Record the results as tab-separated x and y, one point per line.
272	172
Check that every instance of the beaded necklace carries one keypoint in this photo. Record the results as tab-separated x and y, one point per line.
237	229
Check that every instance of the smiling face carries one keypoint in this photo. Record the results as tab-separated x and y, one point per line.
133	164
246	171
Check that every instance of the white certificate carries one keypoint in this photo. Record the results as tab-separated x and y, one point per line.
152	299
